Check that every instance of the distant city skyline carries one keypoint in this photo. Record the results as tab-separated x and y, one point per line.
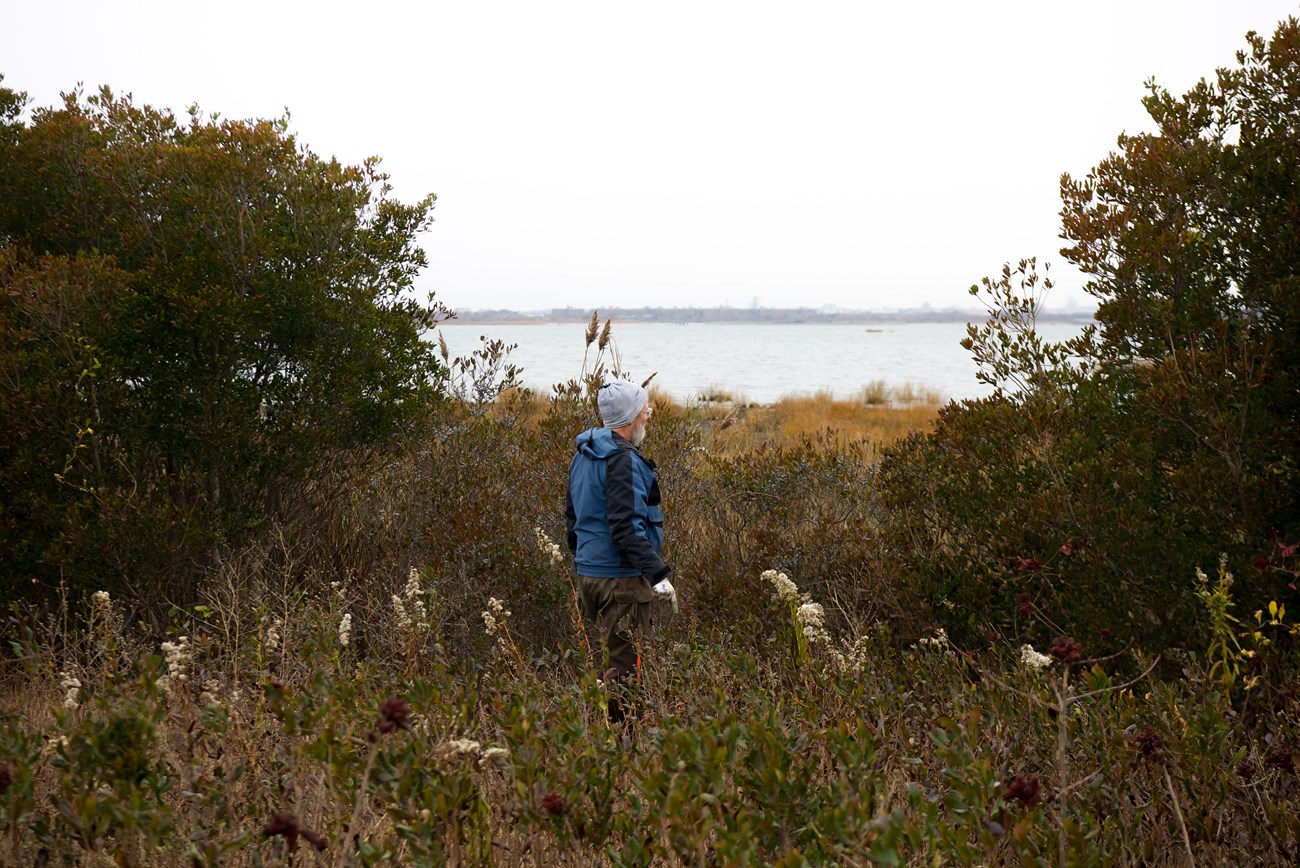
595	154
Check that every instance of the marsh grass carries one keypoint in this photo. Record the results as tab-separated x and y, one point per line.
876	424
877	417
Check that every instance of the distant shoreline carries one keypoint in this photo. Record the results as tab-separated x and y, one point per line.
750	316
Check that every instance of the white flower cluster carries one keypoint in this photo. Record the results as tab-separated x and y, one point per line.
1226	577
208	697
854	658
849	659
71	686
461	747
273	635
810	620
786	590
495	616
179	656
345	629
549	548
417	618
102	618
54	744
468	749
937	642
1031	659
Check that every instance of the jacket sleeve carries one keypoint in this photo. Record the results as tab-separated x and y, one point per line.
620	494
570	521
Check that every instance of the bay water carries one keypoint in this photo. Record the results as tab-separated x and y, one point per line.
751	362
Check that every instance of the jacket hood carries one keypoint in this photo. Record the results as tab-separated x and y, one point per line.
597	443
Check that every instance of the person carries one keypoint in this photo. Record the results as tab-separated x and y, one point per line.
615	533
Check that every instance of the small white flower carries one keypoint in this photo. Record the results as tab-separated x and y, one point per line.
786	590
549	547
71	691
345	629
273	635
1032	659
461	747
811	614
399	613
179	657
812	619
493	754
495	621
208	696
102	618
938	642
856	660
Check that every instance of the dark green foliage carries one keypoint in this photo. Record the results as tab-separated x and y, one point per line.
1103	472
109	783
197	314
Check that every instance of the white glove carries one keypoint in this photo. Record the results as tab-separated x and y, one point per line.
665	591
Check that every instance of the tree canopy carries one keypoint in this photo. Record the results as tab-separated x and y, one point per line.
1190	236
1105	471
196	310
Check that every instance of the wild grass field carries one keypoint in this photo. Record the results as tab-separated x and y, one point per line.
416	687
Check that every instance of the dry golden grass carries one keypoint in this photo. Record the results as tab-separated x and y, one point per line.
742	428
876	417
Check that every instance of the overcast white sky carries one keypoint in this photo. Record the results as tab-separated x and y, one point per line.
676	153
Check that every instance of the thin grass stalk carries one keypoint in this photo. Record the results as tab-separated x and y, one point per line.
1178	812
359	806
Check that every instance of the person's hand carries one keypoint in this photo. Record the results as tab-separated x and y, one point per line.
665	591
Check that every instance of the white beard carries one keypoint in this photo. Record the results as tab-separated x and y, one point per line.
638	434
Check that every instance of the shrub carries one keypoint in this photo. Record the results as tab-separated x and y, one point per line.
1119	462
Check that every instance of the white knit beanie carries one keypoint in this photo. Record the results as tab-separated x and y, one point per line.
619	402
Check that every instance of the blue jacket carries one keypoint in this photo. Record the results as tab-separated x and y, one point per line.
615	523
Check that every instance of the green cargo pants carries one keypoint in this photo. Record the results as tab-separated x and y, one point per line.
621	608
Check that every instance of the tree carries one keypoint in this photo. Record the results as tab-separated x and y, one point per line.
1111	467
1190	236
217	309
